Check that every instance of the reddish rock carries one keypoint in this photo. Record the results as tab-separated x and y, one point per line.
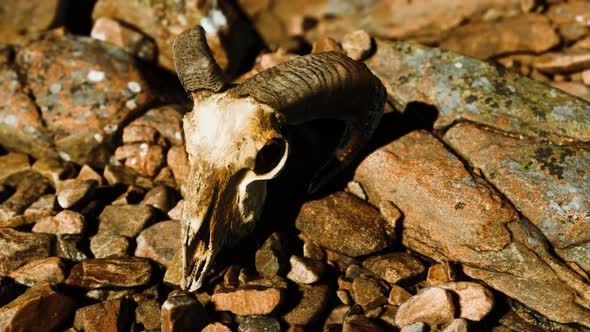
132	41
104	245
126	220
483	40
432	305
161	197
73	192
247	301
398	295
65	222
104	316
368	293
166	121
159	242
177	160
570	18
475	301
20	247
118	174
573	61
50	269
440	273
457	325
326	44
309	306
87	173
357	44
394	267
143	158
30	186
343	223
182	312
216	327
577	89
176	212
113	272
54	169
40	308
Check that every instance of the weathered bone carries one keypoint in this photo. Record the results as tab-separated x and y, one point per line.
227	131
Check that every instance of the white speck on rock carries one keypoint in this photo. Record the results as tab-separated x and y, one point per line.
130	104
143	149
55	88
459	65
95	75
64	156
98	35
109	129
178	135
10	120
134	87
98	137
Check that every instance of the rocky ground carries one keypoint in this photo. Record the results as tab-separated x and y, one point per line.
469	211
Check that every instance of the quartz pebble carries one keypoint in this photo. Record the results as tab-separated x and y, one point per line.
305	270
433	306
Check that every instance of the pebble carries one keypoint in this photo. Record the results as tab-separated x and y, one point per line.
30	186
176	212
416	327
143	158
19	248
304	270
475	301
368	293
65	222
394	267
398	295
112	272
126	220
50	269
109	315
115	174
358	323
216	327
457	325
270	259
67	248
160	197
105	244
440	273
326	44
313	251
177	160
134	42
553	63
182	312
159	242
357	44
54	169
246	302
148	313
309	306
258	324
88	173
12	163
388	314
74	192
433	306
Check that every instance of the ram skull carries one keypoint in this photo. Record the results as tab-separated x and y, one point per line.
234	141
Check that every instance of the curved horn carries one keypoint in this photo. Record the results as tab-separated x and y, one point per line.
195	65
323	85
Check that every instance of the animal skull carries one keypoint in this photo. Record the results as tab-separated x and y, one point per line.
234	141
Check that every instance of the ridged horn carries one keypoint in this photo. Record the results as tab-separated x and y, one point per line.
324	85
195	66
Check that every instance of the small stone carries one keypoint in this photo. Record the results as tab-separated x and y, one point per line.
12	163
177	160
259	324
563	62
40	308
133	195
30	186
398	295
176	212
358	323
139	134
20	247
310	305
394	267
134	42
475	301
313	251
165	177
326	44
44	204
105	244
119	175
440	273
343	223
65	222
104	316
174	273
67	248
126	220
114	272
74	192
270	258
305	270
109	294
33	272
216	327
344	297
182	312
159	242
416	327
373	312
368	293
87	173
54	169
143	158
337	316
161	197
147	313
388	314
357	44
433	306
247	301
457	325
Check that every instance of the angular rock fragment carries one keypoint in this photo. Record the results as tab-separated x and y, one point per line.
73	192
30	186
177	160
126	220
357	44
104	245
20	247
563	62
65	222
360	323
132	41
475	301
161	197
457	325
394	267
398	295
577	89
67	248
50	270
368	293
12	163
433	306
305	270
113	272
147	313
309	306
343	223
166	121
109	315
416	327
440	273
216	327
247	301
270	258
87	173
159	242
54	169
22	18
119	175
259	324
182	312
143	158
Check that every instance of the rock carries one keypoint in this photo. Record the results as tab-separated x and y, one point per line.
132	41
182	312
132	196
173	274
394	267
216	327
12	163
574	88
74	192
358	323
104	316
20	247
457	325
313	251
440	273
159	242
147	313
54	169
42	207
113	272
527	33
30	186
65	222
126	220
357	44
105	244
270	258
160	197
166	121
304	270
343	223
309	306
165	178
344	297
50	269
143	158
176	212
570	18
177	160
510	253
83	121
388	314
368	293
433	306
40	308
398	295
247	301
67	248
87	173
119	175
22	18
259	324
475	301
563	62
416	327
326	44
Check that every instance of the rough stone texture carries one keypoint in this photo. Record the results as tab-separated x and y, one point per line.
182	312
80	86
270	258
143	158
126	220
416	327
357	44
398	295
161	197
87	173
216	327
343	223
67	248
12	163
65	222
563	62
72	192
159	242
247	301
305	270
368	293
20	247
457	325
147	313
259	324
432	305
132	41
104	316
54	169
475	301
354	323
528	33
119	174
112	272
104	245
165	121
571	18
470	223
462	88
440	273
30	186
40	308
308	308
177	160
394	267
50	269
17	18
548	184
230	37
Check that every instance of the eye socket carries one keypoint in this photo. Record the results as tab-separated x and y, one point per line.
269	156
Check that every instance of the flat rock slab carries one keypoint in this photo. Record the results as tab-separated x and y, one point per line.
310	306
50	269
462	88
248	301
343	223
111	272
126	220
548	184
475	301
159	242
40	308
433	306
394	267
450	215
20	247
